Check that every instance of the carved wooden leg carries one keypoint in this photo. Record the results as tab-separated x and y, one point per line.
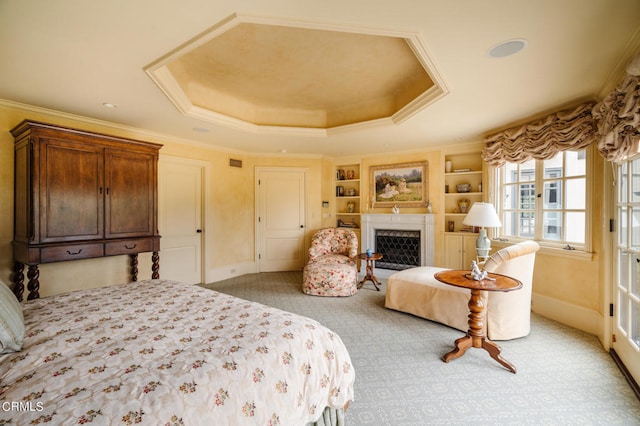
34	285
134	266
18	280
494	350
462	344
155	267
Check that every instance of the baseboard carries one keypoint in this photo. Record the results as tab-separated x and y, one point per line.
572	315
230	271
627	375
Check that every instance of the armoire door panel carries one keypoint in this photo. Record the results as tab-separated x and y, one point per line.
70	196
130	203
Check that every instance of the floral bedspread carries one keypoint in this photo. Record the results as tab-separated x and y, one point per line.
159	352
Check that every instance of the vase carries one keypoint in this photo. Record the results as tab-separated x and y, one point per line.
463	205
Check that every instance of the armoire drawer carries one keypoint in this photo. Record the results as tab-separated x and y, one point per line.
141	245
71	252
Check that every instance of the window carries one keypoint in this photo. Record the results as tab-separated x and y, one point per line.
545	200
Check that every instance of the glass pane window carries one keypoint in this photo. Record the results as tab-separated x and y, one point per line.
553	167
527	225
575	163
635	181
552	194
623	311
623	267
527	196
510	200
622	226
527	171
622	184
635	324
510	173
552	225
575	226
576	188
550	200
635	228
635	275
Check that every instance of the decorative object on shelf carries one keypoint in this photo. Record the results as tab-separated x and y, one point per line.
463	187
341	175
468	169
343	224
480	187
404	184
448	166
351	207
483	215
446	189
429	207
351	192
463	206
395	209
451	226
339	191
369	252
351	174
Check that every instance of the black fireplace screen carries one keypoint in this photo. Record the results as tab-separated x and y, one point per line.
400	249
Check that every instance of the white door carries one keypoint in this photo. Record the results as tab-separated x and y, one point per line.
280	219
180	218
626	297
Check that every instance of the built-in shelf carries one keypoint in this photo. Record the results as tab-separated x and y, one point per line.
348	195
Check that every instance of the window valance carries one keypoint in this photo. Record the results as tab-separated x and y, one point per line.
570	129
618	119
613	123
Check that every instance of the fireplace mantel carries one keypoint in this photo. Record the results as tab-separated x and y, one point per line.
425	223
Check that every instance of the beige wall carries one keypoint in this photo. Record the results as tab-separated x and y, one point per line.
565	288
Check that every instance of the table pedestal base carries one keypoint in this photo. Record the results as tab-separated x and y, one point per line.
464	343
475	336
369	272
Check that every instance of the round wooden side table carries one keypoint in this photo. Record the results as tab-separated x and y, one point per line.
369	271
475	336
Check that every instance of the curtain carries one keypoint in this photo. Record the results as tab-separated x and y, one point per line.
618	118
571	129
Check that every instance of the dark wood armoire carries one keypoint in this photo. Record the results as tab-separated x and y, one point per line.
81	195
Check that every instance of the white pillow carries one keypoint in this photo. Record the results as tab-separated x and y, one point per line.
11	321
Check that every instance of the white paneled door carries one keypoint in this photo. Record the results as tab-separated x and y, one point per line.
280	211
626	298
180	218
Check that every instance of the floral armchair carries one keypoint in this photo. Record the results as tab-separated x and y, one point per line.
332	266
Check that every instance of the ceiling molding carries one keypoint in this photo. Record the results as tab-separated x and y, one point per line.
162	76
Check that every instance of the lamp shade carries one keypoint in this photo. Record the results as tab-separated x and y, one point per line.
483	215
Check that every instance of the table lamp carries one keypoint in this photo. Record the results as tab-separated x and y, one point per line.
483	215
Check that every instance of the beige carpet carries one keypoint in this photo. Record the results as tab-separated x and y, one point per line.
564	375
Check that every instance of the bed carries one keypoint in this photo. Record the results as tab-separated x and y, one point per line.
160	352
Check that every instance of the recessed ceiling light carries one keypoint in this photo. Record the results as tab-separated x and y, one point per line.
200	129
507	48
283	150
109	105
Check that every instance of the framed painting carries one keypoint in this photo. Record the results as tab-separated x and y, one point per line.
403	184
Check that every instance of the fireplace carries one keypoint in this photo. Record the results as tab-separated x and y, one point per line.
399	249
420	226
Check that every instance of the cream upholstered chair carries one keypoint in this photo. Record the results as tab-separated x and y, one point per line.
508	315
332	267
